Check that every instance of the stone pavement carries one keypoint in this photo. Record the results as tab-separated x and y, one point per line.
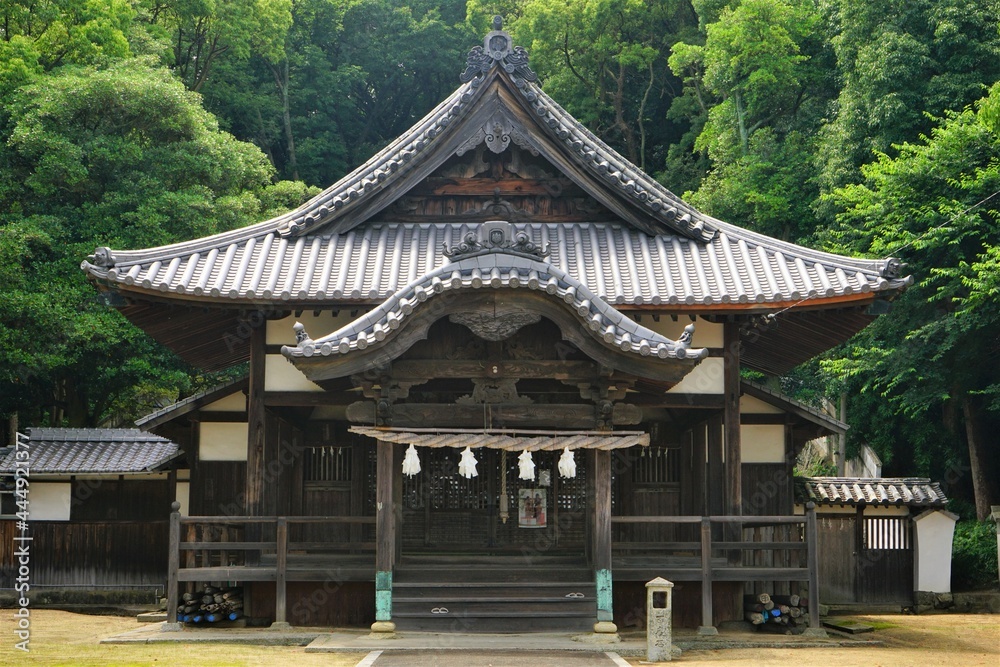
317	640
461	658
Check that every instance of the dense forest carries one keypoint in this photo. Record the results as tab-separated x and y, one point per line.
867	127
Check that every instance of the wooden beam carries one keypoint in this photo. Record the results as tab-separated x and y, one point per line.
281	572
754	418
173	563
421	371
678	400
500	415
309	398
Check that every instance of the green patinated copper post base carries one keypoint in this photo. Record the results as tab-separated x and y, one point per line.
383	624
605	614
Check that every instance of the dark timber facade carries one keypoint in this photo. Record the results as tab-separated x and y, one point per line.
496	286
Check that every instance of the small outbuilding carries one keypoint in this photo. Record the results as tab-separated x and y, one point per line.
881	540
95	513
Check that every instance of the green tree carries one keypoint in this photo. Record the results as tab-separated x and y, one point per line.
123	156
204	31
756	78
932	362
605	60
897	63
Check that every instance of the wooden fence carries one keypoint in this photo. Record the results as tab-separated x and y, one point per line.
723	559
89	554
246	548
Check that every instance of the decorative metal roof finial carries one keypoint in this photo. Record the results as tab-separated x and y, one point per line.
497	48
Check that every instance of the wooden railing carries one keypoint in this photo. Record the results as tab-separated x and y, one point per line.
239	558
731	549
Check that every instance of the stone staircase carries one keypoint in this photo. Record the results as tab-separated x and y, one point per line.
455	593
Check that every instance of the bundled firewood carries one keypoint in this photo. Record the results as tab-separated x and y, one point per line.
211	605
781	614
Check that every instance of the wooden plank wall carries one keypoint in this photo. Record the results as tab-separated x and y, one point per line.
630	603
767	489
317	603
120	500
89	553
837	563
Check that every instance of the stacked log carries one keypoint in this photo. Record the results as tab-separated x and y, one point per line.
211	605
781	614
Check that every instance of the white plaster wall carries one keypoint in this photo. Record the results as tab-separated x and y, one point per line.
706	334
280	375
753	405
849	509
935	531
280	332
48	501
762	443
222	441
235	402
183	496
705	378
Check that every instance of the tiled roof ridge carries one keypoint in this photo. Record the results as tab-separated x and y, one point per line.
233	384
83	434
915	491
794	401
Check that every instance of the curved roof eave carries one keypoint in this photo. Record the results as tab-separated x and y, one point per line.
498	270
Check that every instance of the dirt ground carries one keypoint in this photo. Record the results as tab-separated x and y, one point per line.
63	638
956	640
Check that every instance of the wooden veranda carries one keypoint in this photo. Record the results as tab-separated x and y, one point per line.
217	549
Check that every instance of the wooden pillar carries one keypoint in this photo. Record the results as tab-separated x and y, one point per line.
812	554
173	564
707	627
281	576
253	499
385	536
715	492
256	424
731	418
602	541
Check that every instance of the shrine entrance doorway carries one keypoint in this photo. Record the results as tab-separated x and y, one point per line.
495	512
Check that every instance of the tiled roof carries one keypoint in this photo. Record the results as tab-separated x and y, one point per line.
499	270
191	403
99	450
910	492
790	404
663	252
619	264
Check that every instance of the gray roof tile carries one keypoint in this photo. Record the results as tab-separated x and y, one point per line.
909	492
83	450
620	264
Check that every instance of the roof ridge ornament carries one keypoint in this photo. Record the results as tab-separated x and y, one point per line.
497	49
495	236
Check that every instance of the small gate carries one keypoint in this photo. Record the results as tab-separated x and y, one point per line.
866	559
885	560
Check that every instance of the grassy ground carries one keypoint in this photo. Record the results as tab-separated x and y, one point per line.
64	638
